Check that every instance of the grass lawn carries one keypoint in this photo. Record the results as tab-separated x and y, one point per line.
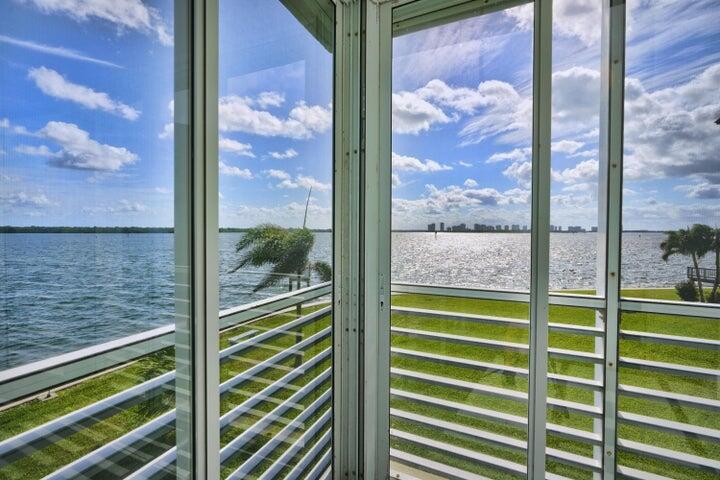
46	460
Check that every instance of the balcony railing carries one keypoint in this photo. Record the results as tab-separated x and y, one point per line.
458	400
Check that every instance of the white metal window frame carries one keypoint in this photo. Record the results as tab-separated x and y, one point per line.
393	17
362	216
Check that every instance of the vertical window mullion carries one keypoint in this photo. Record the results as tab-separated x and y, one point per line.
611	158
540	238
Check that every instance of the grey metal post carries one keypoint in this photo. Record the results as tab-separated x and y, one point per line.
196	239
540	238
611	158
346	242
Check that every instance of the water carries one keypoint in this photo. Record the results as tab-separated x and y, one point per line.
62	292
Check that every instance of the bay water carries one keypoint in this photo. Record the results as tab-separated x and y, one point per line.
62	292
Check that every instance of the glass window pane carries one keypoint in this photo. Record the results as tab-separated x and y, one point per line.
671	200
577	241
276	171
461	125
87	251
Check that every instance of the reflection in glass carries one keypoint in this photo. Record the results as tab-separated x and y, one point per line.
276	170
87	251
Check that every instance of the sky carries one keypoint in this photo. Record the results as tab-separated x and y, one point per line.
86	108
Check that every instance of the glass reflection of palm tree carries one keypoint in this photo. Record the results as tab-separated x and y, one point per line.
287	251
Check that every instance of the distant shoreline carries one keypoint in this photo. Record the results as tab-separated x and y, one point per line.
37	229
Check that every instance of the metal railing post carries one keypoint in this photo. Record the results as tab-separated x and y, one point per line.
611	162
540	239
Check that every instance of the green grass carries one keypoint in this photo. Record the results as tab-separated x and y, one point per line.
45	460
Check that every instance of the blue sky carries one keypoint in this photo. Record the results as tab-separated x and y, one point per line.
86	116
462	117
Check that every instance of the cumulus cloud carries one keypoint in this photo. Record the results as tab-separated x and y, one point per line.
123	206
169	129
566	146
288	215
289	153
470	183
279	174
25	199
125	14
37	151
238	114
411	114
270	99
235	147
53	84
521	172
306	182
232	171
412	164
670	132
701	190
576	19
585	171
15	129
465	164
79	151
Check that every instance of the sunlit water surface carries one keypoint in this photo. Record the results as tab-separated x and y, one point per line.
62	292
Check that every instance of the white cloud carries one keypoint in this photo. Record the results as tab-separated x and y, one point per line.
566	146
233	146
701	190
163	190
169	128
79	151
412	114
306	182
16	129
25	199
279	174
270	99
440	201
237	114
289	153
670	133
55	85
123	206
470	183
521	172
167	132
396	182
465	164
585	171
125	14
412	164
231	171
515	155
37	151
577	19
288	215
55	51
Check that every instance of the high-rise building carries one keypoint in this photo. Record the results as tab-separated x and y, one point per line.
431	227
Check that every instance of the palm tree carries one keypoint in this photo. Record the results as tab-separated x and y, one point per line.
286	249
694	242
